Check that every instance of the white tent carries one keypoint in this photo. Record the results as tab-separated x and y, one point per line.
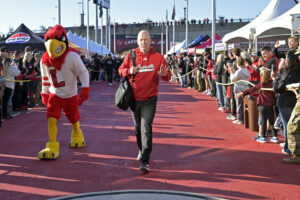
177	48
274	9
93	46
281	22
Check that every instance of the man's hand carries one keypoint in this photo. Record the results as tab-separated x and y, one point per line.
163	71
133	70
274	75
238	95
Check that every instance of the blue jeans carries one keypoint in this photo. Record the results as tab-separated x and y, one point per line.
220	95
285	114
183	81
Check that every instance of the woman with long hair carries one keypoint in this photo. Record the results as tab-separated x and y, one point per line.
286	99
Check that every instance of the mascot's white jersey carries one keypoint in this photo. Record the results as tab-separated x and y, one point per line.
63	82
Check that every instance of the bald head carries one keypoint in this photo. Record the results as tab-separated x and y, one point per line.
144	41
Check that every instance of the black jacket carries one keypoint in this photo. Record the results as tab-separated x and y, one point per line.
286	99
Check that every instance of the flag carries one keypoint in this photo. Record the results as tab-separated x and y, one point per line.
100	9
173	12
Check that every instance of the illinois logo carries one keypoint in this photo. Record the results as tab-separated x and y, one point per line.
18	38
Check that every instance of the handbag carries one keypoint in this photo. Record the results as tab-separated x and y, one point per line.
124	95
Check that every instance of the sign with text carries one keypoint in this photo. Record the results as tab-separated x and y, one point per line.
126	42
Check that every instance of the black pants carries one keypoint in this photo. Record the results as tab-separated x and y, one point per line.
110	76
6	96
267	113
232	101
191	83
143	115
24	95
16	99
95	76
213	88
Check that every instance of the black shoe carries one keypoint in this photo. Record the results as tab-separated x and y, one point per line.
139	157
255	137
8	116
145	167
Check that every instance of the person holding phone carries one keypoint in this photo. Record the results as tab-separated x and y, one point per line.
293	43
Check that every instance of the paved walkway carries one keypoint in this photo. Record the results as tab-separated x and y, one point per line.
195	150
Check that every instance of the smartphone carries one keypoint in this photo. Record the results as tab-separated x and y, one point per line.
282	42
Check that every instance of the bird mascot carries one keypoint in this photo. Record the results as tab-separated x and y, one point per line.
60	67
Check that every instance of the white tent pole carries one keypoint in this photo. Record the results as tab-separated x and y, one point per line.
174	35
167	37
174	27
101	35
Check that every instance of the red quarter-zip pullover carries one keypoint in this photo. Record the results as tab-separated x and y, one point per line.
146	80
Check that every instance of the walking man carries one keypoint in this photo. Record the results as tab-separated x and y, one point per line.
150	65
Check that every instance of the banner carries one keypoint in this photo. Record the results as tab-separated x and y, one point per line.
125	42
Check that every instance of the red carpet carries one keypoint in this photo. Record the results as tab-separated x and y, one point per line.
195	150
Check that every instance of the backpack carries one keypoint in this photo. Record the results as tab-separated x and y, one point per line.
124	95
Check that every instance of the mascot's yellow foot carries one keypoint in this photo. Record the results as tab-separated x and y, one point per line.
77	139
50	152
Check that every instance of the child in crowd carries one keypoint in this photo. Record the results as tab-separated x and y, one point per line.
236	75
265	102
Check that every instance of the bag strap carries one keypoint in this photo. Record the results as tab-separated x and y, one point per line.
133	58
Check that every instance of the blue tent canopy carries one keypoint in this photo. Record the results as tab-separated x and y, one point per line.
201	41
195	41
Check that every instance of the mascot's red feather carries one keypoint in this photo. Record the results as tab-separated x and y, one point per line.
60	68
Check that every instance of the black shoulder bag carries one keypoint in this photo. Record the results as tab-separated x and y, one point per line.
124	95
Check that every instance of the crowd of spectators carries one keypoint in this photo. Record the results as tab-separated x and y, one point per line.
236	74
183	22
21	71
21	75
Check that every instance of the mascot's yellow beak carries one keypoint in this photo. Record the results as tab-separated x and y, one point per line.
55	48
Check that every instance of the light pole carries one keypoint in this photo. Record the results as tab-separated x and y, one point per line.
213	29
79	3
59	14
187	24
87	28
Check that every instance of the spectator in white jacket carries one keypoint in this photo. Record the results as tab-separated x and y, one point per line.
10	71
236	75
